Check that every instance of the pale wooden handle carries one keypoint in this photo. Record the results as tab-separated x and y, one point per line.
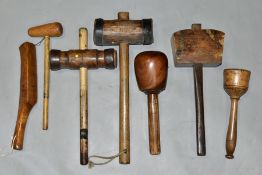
83	44
153	124
232	130
46	82
124	130
124	135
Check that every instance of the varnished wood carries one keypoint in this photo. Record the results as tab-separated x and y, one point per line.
83	44
198	47
236	82
123	32
46	82
89	58
151	75
28	91
54	29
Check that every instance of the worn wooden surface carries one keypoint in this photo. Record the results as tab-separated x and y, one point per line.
28	91
89	58
83	44
54	29
236	82
151	75
198	47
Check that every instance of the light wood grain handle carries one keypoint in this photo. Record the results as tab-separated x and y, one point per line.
28	92
153	124
83	44
199	102
46	82
232	130
124	131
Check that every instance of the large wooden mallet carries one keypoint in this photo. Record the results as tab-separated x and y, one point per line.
123	32
46	30
198	47
151	75
83	59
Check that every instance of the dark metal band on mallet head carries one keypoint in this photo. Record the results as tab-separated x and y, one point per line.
131	31
91	59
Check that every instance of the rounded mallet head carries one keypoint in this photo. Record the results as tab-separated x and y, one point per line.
54	29
151	71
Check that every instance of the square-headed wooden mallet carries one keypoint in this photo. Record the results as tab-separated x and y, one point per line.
151	75
123	32
198	47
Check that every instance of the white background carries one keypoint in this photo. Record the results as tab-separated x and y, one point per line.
56	151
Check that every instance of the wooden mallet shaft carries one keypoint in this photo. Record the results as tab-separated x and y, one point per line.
46	30
83	44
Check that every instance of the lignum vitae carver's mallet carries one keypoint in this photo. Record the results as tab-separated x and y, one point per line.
83	59
198	47
123	32
236	82
151	75
46	30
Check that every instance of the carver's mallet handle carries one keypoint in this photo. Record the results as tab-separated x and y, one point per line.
46	30
153	124
83	44
124	130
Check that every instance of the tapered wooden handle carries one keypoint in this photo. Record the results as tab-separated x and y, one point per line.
199	102
153	124
124	131
232	130
28	92
83	44
54	29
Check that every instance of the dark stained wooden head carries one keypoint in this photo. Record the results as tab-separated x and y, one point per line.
54	29
123	30
198	46
151	71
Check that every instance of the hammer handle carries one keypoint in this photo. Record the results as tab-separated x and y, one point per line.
28	92
232	130
200	125
124	135
153	124
83	38
46	82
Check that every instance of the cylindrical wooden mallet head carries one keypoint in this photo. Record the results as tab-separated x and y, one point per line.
91	59
114	32
151	75
236	82
51	29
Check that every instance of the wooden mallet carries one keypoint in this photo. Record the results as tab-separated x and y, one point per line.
123	32
46	30
151	75
235	84
83	59
28	92
198	47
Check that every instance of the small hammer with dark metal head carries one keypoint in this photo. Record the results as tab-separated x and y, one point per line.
198	47
46	30
123	32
